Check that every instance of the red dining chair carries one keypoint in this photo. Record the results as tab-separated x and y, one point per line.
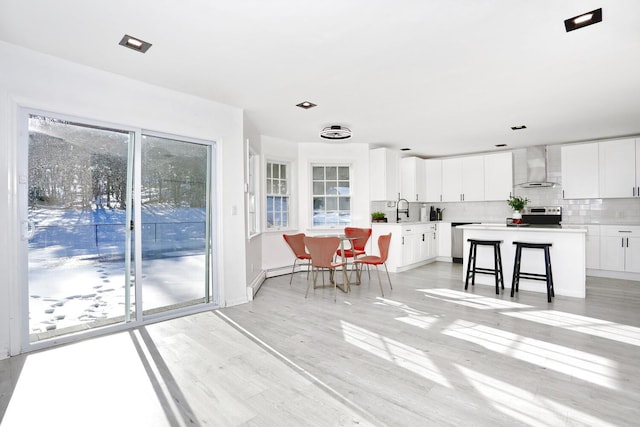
357	248
383	245
296	243
322	250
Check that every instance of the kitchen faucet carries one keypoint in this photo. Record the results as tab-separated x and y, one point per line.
398	210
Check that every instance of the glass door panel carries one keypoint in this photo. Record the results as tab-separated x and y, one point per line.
175	212
79	267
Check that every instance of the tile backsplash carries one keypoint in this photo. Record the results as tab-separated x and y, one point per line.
578	211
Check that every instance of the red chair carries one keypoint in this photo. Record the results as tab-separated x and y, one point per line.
296	243
322	250
357	249
383	245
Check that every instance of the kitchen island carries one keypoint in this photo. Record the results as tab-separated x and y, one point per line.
567	256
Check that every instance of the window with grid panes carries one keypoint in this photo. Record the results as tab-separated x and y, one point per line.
277	195
331	188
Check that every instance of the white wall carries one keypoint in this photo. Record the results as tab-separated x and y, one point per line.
43	82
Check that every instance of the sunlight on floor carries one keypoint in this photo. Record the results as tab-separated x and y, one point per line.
528	408
394	351
413	317
585	366
98	382
586	325
470	300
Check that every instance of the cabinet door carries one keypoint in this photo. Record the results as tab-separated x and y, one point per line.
452	180
412	179
473	179
383	174
498	176
444	239
592	244
432	245
637	167
410	248
612	253
433	173
632	255
580	171
617	168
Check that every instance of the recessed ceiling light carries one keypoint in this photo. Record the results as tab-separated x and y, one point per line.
518	127
306	105
335	132
583	20
405	149
134	43
501	145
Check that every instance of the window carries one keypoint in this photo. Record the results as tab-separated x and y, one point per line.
277	195
331	192
252	202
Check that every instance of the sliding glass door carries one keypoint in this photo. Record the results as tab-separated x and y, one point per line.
118	225
175	230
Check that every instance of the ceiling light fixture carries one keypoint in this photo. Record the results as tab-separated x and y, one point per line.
518	127
405	149
134	43
501	145
583	20
306	105
335	132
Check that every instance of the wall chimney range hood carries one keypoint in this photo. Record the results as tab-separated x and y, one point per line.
537	168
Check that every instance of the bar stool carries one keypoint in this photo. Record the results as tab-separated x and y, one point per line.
517	274
497	263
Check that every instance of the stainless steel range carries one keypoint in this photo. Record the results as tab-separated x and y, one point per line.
542	216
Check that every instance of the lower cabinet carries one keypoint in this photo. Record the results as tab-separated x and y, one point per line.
411	244
620	248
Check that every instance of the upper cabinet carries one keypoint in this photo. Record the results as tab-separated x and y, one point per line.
607	169
433	172
463	179
619	168
413	180
580	171
498	176
383	174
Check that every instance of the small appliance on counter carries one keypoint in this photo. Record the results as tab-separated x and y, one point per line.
432	214
423	214
439	214
540	217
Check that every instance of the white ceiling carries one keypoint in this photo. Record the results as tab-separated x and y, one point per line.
441	77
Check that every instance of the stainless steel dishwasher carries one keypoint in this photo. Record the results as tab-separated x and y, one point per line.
457	243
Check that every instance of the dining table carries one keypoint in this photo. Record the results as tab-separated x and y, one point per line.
346	287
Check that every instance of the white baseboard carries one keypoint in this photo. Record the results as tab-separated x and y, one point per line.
623	275
255	285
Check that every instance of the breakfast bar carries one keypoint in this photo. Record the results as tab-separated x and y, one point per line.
567	256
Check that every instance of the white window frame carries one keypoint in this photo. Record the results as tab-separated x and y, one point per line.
253	184
284	194
338	223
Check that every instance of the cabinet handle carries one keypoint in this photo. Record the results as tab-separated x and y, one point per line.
627	242
403	240
563	194
423	237
622	246
441	197
625	231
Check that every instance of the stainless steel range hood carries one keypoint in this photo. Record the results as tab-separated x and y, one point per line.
537	168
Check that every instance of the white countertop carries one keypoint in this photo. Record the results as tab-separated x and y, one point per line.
504	227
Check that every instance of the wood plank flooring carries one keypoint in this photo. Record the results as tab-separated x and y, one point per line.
428	353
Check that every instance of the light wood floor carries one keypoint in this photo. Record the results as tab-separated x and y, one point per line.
426	354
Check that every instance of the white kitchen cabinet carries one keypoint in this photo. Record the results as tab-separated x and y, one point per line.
383	174
592	245
463	179
444	239
413	180
411	244
580	171
619	168
620	248
433	173
498	176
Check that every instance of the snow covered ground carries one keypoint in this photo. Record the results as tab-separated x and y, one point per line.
75	283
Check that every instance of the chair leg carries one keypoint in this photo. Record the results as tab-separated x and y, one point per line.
379	281
388	277
315	276
293	270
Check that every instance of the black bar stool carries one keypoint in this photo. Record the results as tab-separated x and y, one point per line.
497	263
517	274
